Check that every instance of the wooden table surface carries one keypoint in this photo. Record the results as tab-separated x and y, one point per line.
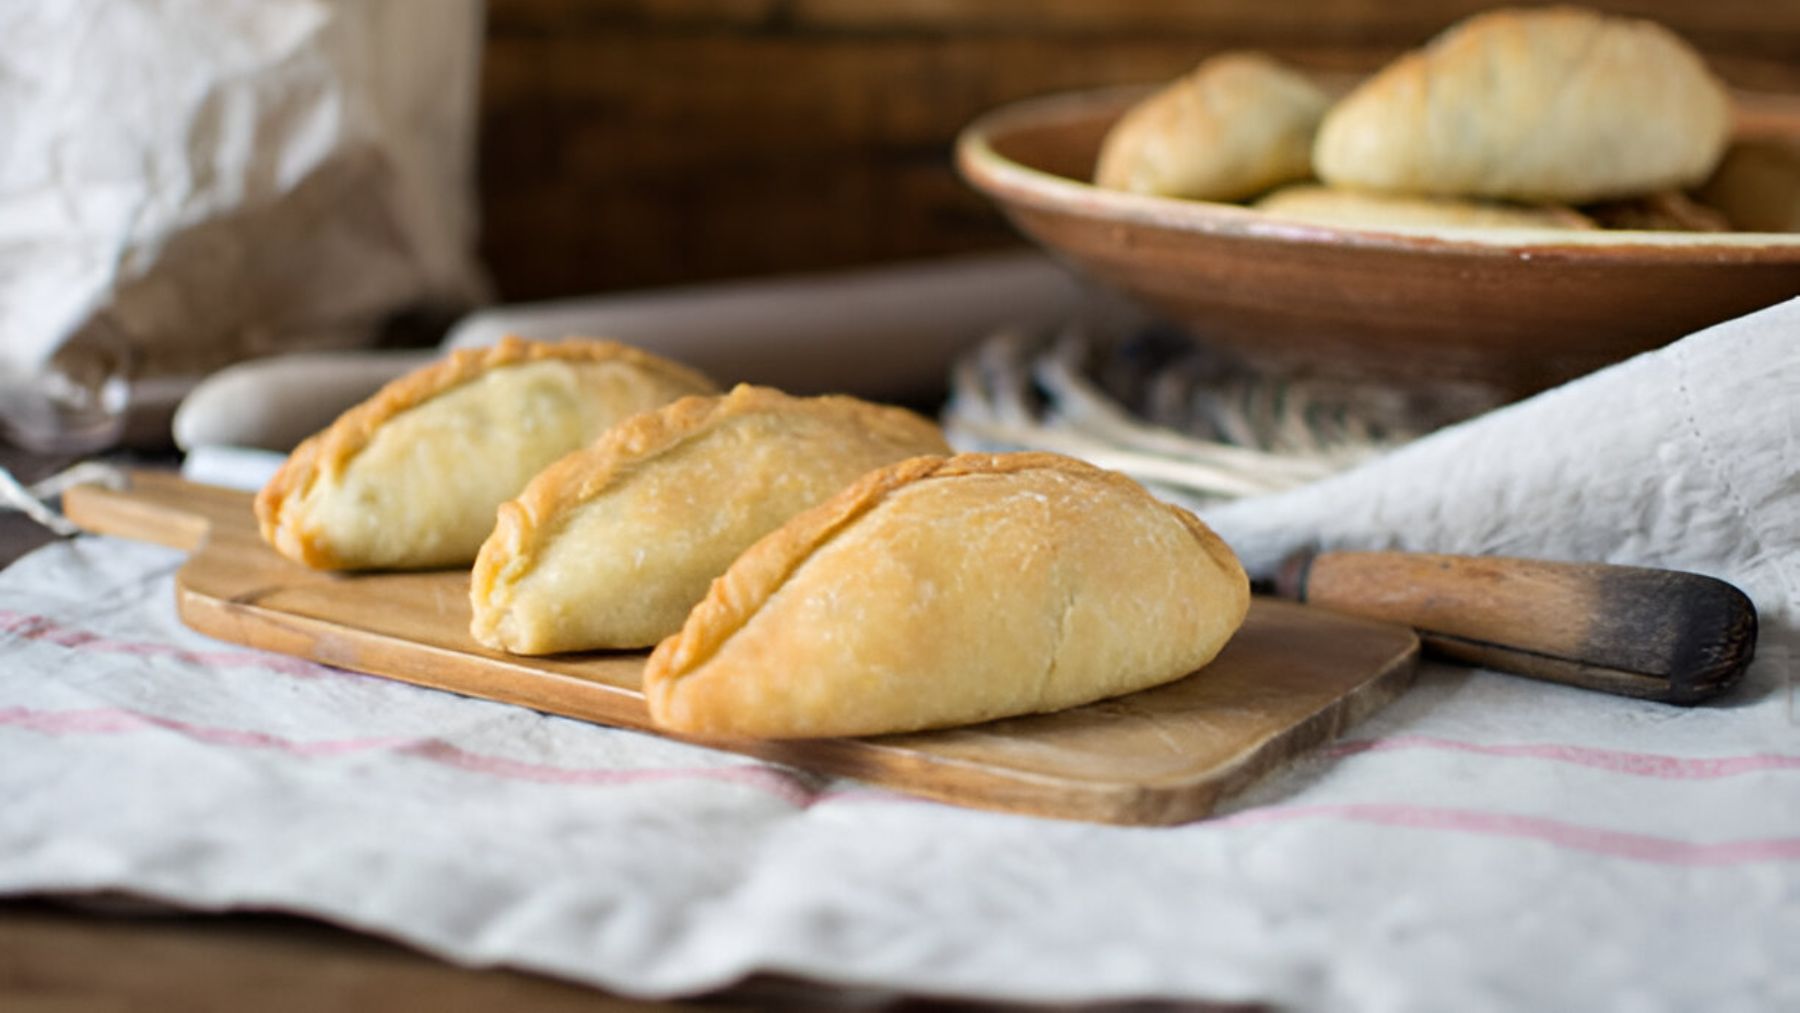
74	955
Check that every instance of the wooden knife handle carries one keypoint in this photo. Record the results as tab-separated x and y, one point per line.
1656	634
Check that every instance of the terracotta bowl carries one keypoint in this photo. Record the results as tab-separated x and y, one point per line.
1516	310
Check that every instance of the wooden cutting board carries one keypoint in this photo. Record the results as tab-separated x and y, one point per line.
1291	679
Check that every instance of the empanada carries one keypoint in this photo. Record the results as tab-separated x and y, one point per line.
1355	209
944	591
1231	128
410	478
612	546
1556	104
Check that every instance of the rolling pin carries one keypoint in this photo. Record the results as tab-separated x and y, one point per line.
1664	635
888	332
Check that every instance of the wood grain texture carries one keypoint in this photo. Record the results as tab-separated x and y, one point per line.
1741	23
1660	634
1291	679
112	956
630	143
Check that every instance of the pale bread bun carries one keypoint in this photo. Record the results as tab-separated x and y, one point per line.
1757	186
1551	105
1321	205
1233	127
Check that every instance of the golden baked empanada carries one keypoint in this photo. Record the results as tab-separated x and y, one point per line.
611	546
1324	205
411	477
944	591
1231	128
1555	104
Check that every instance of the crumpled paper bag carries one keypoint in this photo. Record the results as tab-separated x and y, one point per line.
187	184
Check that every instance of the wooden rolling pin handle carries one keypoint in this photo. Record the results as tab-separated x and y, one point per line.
1656	634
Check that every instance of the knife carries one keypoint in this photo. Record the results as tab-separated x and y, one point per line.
1666	635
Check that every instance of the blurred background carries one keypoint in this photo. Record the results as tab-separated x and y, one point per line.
192	184
630	143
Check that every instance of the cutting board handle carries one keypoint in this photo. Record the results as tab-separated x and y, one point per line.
1291	679
1657	634
1663	635
155	506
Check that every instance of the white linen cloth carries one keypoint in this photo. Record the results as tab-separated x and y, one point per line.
1486	842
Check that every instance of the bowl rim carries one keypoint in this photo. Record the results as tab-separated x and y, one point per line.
1013	182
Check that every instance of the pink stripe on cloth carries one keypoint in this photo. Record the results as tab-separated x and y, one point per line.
798	792
26	626
72	722
789	787
1674	768
107	720
1573	836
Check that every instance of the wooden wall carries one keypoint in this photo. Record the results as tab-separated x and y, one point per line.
631	143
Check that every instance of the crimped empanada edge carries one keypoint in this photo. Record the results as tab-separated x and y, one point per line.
524	523
641	437
736	596
351	432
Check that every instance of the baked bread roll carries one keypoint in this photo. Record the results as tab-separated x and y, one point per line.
1324	205
944	591
1558	105
1233	127
1668	211
611	546
1757	186
410	478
